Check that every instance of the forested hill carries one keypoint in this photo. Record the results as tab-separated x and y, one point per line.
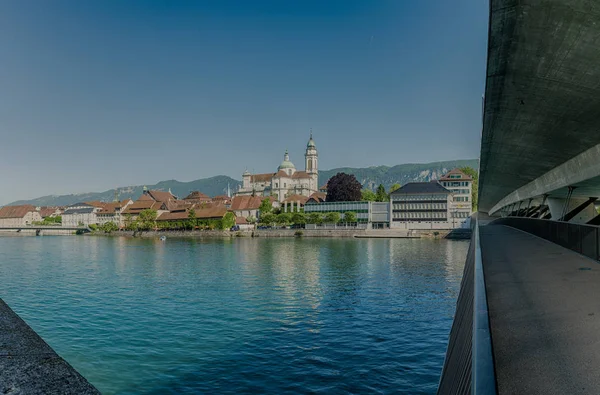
370	177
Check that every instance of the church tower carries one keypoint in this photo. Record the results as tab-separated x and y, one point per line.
312	163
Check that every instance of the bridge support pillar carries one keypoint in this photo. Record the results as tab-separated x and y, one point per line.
577	210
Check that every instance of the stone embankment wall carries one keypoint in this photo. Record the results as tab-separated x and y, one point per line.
384	233
32	232
29	366
247	233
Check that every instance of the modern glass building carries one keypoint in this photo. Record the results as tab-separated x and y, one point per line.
366	212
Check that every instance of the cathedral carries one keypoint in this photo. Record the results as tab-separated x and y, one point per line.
287	180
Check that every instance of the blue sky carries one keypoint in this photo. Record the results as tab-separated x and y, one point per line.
100	94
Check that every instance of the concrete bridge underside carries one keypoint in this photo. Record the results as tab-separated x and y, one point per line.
541	130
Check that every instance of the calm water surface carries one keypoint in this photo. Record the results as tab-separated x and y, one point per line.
242	315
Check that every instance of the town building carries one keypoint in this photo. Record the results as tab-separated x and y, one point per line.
317	197
18	216
374	213
197	197
243	224
248	206
226	200
461	186
112	212
50	212
294	203
423	205
79	214
287	180
203	211
160	201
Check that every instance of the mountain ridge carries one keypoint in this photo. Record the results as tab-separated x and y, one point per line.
369	177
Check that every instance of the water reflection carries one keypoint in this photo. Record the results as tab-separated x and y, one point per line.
241	315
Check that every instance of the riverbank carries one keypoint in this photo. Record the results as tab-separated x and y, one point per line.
319	233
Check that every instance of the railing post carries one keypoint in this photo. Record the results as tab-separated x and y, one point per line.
596	243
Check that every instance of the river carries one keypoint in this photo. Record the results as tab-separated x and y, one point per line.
242	315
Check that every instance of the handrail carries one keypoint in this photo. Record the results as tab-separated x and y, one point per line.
469	364
581	238
484	375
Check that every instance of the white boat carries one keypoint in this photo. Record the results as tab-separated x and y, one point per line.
163	238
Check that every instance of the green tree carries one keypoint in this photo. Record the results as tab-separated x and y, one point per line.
314	218
228	220
128	222
251	219
192	221
332	218
475	186
381	195
147	220
350	216
109	227
265	206
267	218
395	187
284	218
298	219
368	195
93	227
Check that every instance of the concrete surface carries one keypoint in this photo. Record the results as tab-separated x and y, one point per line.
542	92
29	366
544	305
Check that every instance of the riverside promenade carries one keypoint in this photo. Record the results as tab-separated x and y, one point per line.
28	365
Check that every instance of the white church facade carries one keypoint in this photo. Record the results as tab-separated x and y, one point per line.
287	180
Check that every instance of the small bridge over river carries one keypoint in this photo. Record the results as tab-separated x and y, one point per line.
39	229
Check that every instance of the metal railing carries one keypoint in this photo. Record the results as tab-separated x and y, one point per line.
469	364
581	238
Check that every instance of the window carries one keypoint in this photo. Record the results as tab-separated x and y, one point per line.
285	184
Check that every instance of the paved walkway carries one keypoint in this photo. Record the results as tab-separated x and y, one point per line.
544	303
29	366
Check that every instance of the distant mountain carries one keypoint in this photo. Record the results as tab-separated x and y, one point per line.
211	186
370	177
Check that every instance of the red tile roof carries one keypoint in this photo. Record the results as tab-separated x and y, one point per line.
265	177
109	208
145	197
281	173
138	206
47	211
206	211
197	195
161	196
241	221
296	198
16	211
318	197
463	176
95	203
246	202
300	174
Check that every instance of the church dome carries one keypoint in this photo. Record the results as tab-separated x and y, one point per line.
286	164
